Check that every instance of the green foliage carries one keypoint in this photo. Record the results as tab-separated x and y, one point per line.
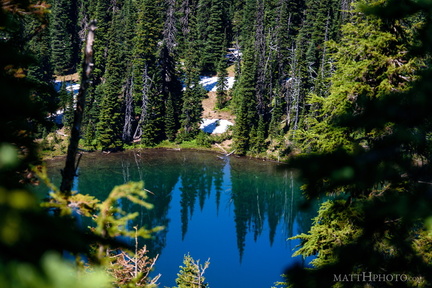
192	108
147	77
54	272
64	36
191	274
109	126
139	44
210	16
203	139
112	220
170	120
66	103
371	61
222	85
337	224
382	227
245	103
258	137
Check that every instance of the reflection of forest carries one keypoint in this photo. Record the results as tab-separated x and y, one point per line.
262	194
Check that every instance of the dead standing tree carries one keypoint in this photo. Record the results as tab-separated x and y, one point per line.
69	171
127	93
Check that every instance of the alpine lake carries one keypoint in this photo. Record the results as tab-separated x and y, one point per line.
236	212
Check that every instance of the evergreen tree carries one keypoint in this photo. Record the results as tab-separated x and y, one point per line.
171	126
380	217
187	12
215	36
261	54
365	63
287	23
193	93
66	103
308	60
192	107
101	12
91	116
39	47
147	75
103	16
247	26
245	101
110	122
129	26
21	112
258	138
64	36
199	23
40	71
191	274
222	85
172	88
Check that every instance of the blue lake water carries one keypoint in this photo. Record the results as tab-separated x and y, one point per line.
237	212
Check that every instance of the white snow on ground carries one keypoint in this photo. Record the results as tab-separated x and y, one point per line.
209	83
215	126
73	88
70	86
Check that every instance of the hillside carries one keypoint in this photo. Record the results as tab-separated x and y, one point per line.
144	85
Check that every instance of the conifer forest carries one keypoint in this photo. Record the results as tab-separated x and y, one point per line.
339	90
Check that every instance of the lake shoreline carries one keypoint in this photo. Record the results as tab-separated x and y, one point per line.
213	149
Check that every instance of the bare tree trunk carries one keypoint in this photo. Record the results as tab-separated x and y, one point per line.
184	21
324	56
69	172
346	7
170	30
296	98
145	91
127	127
292	94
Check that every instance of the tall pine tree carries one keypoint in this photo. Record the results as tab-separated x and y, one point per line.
111	121
64	36
147	74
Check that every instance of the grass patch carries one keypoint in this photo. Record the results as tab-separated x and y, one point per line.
170	145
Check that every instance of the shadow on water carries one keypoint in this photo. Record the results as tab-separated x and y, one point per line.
236	211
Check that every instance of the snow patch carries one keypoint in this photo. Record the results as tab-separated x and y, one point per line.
70	86
210	83
215	126
73	88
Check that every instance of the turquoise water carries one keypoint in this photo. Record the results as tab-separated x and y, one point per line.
237	212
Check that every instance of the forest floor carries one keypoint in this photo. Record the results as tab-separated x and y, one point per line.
210	112
70	77
209	104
